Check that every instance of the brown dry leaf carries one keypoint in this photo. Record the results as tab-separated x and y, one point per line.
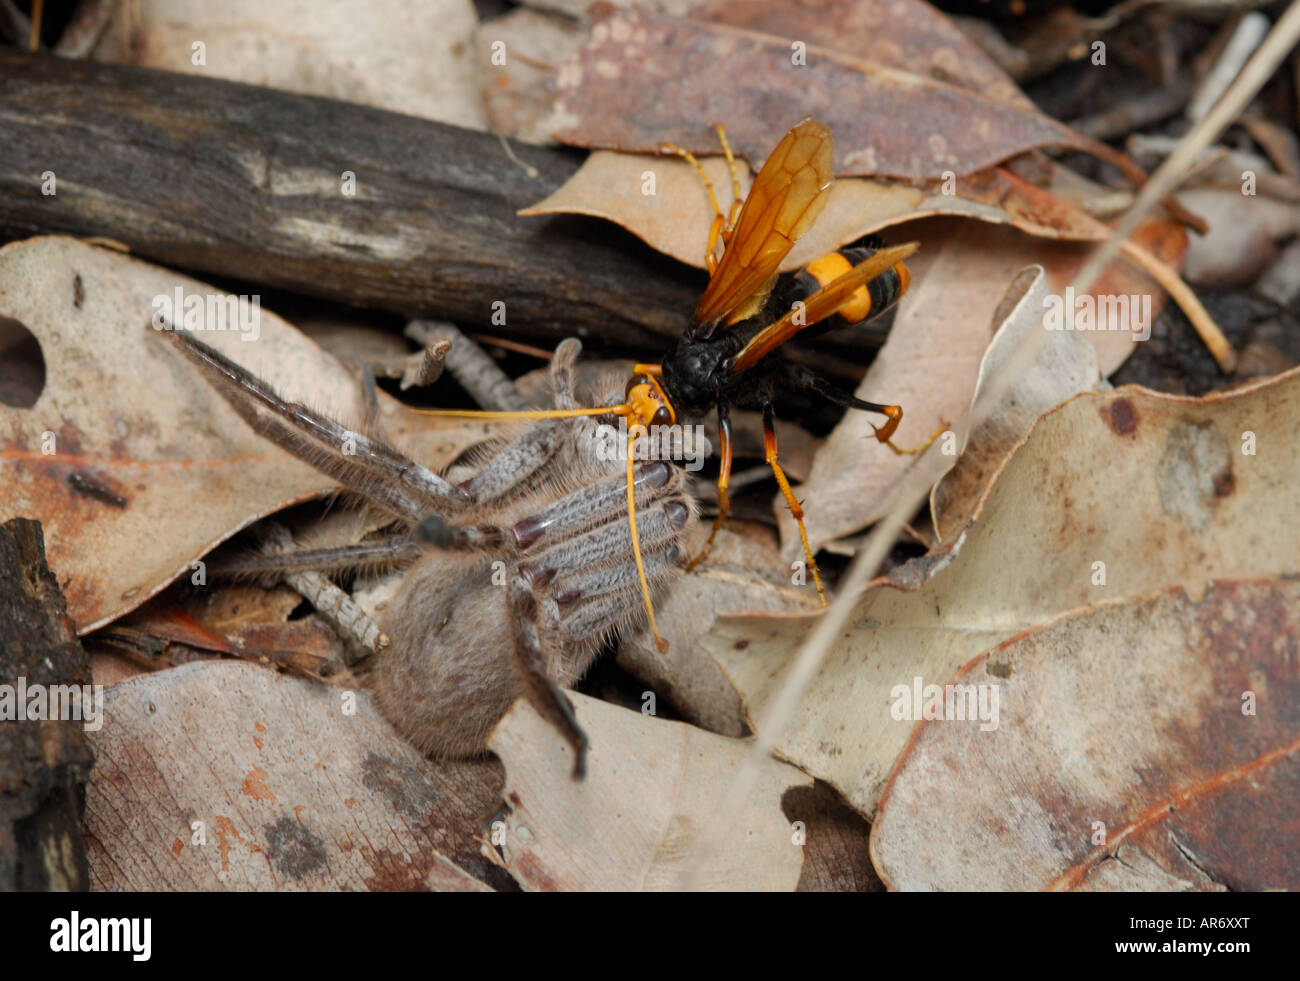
416	59
663	202
518	54
1065	365
163	634
1144	744
1154	486
930	363
651	789
292	791
133	464
643	79
906	34
740	576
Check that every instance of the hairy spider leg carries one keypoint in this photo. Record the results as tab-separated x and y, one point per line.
643	403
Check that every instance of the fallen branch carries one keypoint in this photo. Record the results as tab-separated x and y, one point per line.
245	182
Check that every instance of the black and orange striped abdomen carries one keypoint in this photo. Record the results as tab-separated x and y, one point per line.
868	301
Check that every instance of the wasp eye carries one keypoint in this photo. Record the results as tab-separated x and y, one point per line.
663	417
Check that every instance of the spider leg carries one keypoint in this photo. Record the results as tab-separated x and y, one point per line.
590	599
566	354
539	443
518	461
538	657
577	513
367	466
380	553
606	543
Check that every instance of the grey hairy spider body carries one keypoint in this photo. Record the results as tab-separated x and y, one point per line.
514	578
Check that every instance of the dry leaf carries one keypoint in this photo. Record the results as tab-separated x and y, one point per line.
1154	486
651	791
416	59
290	790
906	34
1065	365
134	466
662	201
518	54
1141	745
930	363
643	79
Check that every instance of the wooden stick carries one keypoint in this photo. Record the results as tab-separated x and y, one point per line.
44	764
250	183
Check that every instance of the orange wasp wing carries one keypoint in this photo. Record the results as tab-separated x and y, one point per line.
820	305
787	196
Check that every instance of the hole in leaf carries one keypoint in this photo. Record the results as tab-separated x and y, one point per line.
22	365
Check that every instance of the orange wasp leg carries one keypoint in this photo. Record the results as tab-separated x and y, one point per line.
724	478
895	415
719	221
769	444
736	199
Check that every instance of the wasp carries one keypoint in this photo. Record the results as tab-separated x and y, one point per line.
726	357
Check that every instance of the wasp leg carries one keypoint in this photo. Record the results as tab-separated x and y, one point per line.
804	379
724	479
736	199
719	220
769	444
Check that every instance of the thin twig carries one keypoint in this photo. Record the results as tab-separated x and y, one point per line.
478	374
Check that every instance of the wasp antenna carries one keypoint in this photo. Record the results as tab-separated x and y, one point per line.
600	410
660	643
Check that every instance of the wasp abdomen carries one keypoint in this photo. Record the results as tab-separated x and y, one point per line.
868	300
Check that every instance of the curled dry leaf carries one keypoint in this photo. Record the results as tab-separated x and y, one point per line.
1110	495
133	465
651	790
643	79
740	576
1143	744
227	776
662	201
416	59
1065	365
930	362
